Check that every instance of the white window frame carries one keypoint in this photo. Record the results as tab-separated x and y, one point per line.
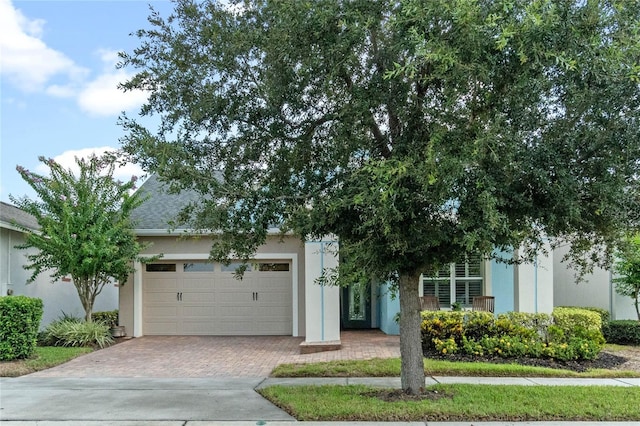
453	280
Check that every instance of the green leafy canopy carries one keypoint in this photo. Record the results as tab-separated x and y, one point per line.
414	131
84	222
627	267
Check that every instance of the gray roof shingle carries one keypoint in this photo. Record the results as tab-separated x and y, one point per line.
160	207
10	215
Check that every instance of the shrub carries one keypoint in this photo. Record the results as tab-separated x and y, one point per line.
109	318
504	347
478	324
622	332
537	322
448	346
513	335
47	339
441	325
571	318
19	322
604	314
504	326
77	334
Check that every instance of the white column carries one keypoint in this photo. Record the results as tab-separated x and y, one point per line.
534	284
322	303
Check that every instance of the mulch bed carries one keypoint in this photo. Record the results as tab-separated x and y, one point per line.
605	360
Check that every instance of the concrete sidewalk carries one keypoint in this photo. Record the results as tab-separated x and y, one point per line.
36	401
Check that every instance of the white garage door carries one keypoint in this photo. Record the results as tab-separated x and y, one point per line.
200	298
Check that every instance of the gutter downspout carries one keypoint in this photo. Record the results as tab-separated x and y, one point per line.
535	284
322	292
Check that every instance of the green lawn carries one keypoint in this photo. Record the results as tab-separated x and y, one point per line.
43	358
391	368
453	402
460	403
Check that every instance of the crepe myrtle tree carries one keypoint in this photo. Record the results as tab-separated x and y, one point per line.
627	267
84	222
415	132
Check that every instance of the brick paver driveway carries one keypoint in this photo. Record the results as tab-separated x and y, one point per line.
216	356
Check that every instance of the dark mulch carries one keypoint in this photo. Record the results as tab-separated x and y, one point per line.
605	360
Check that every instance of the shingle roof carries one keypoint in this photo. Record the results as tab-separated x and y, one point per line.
10	215
160	206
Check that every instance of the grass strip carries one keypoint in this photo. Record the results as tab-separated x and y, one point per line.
378	367
460	402
44	357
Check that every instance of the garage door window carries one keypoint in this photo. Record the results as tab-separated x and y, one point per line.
161	267
233	267
273	267
198	267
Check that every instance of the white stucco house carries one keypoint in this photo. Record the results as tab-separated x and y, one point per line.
57	297
185	294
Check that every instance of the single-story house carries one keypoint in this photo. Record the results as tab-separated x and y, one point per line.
183	293
58	297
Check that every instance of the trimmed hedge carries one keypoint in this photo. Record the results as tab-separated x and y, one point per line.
568	319
622	332
109	318
573	335
604	314
19	322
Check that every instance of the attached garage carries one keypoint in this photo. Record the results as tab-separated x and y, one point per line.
196	297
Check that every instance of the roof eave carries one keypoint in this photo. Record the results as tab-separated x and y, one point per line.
187	232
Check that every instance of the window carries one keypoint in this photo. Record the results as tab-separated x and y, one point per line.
273	267
197	267
233	267
461	279
161	267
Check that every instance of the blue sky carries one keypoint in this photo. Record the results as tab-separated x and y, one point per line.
58	87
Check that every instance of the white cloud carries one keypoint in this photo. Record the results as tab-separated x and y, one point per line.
30	64
67	160
26	60
103	97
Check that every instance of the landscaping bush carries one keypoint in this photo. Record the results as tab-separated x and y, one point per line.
513	335
622	332
45	338
78	334
441	326
537	322
478	324
570	318
604	314
109	318
19	322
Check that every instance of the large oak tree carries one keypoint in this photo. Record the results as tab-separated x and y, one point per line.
417	132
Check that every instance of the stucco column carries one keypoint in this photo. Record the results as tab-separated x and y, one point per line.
322	303
534	284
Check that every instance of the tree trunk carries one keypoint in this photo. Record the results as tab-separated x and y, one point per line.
85	295
412	359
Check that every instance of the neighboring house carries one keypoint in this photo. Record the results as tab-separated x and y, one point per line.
184	294
58	297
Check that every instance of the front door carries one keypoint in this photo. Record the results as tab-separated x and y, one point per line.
356	306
